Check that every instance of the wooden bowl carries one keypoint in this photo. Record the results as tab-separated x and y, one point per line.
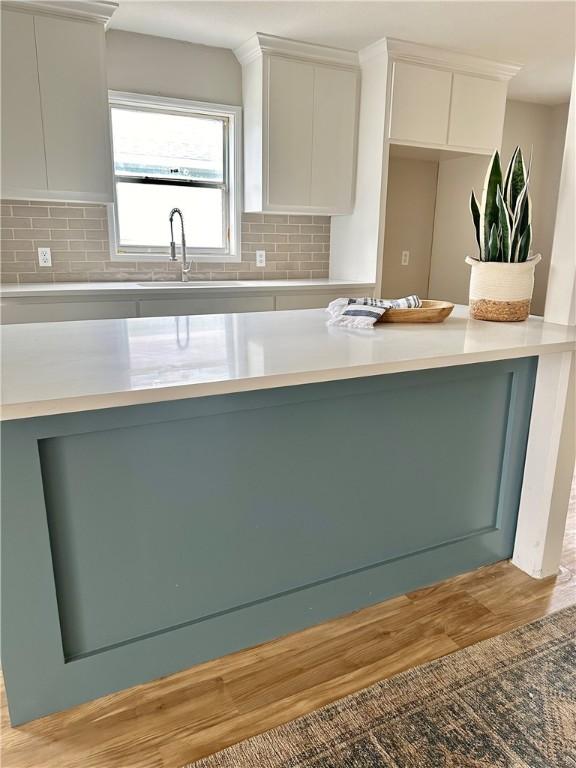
429	312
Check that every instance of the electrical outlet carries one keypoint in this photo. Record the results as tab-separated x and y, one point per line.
405	258
260	258
44	257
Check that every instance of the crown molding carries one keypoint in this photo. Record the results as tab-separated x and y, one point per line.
260	44
91	10
402	50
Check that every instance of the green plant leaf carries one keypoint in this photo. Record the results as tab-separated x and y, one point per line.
504	228
506	189
522	219
525	211
516	180
489	207
493	244
475	211
524	245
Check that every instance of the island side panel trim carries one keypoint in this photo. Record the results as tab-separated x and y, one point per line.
54	670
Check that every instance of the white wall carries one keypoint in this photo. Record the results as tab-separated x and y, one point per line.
410	207
163	67
561	295
355	239
542	129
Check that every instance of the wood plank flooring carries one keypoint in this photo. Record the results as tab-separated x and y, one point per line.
180	718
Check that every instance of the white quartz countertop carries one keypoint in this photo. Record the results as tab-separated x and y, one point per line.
113	289
64	367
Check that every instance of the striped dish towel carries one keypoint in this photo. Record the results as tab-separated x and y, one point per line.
363	313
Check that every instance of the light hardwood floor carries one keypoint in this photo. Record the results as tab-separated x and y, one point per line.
180	718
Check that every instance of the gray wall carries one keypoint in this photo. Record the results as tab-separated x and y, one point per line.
163	67
410	207
454	237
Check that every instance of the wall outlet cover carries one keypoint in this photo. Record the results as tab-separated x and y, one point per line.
44	257
405	258
260	258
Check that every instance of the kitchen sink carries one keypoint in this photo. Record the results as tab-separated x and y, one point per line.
197	284
174	283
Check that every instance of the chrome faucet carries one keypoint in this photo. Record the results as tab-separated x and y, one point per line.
186	265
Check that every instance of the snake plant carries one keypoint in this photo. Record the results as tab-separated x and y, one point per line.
503	221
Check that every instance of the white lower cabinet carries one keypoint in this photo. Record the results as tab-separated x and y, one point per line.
45	309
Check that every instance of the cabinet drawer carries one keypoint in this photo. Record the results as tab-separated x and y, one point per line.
420	103
204	306
28	311
477	112
312	300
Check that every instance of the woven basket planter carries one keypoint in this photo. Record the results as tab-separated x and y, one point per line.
501	291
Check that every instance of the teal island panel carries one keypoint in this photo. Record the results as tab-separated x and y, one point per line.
140	541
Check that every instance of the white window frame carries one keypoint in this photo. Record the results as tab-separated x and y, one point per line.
233	171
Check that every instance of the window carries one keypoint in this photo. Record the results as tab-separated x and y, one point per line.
172	153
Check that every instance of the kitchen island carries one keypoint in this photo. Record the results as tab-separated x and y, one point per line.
178	488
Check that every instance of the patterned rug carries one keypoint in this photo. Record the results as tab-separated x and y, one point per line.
508	702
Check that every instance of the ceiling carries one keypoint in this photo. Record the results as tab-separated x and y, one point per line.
538	35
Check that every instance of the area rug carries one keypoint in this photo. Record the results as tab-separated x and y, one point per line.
507	702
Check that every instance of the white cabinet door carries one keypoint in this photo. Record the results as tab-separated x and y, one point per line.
71	65
23	162
290	121
204	306
334	138
420	103
477	112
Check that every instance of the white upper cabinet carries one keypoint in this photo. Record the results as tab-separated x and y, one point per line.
300	126
477	112
55	125
420	103
445	99
23	160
